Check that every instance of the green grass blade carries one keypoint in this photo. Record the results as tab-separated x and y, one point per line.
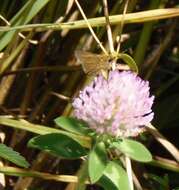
27	12
139	17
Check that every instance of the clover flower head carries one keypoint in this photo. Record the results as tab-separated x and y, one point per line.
119	106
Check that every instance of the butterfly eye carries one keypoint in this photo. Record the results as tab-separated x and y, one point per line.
110	59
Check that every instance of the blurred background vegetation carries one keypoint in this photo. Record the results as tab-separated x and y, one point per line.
38	68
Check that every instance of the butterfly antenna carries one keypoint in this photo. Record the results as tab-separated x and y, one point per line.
90	28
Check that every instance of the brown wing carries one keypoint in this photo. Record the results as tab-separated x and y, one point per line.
92	63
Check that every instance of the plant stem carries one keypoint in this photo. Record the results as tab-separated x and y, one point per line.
145	37
108	27
90	28
13	171
165	164
162	140
57	68
129	172
122	25
139	17
42	130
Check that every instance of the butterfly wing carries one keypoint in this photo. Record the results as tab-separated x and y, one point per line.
92	63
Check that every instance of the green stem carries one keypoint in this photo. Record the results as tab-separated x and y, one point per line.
14	54
42	130
145	37
31	173
139	17
60	68
169	165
